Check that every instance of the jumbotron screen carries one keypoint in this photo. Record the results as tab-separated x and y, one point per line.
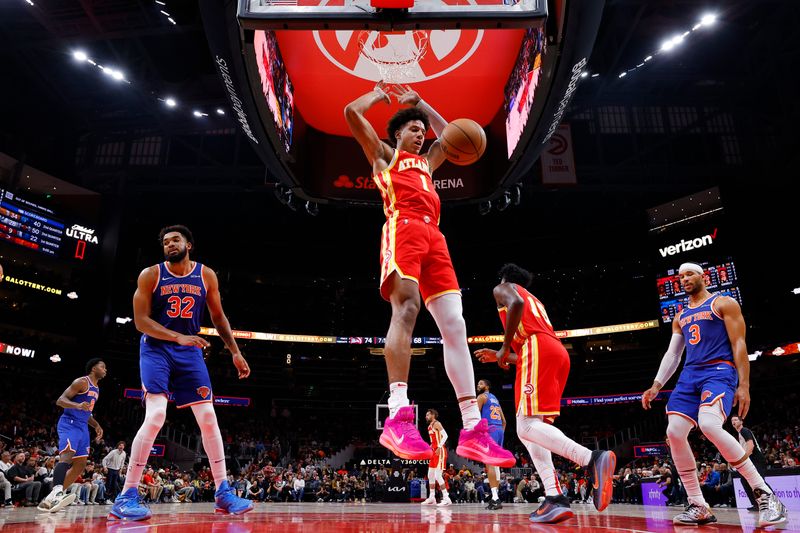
720	277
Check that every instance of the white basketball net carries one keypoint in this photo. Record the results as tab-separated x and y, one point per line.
396	55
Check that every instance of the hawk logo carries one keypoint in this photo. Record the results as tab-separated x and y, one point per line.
204	392
528	389
438	51
705	396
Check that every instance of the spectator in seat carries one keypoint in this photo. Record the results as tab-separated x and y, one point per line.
22	478
298	488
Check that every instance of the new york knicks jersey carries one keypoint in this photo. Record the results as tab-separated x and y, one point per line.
407	187
491	410
707	339
534	319
179	301
90	396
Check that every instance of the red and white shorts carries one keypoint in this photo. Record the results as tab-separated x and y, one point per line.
542	371
439	459
416	250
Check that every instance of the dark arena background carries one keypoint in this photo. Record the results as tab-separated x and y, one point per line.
624	138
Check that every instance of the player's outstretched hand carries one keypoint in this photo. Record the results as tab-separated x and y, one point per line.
383	88
241	365
648	396
485	355
406	95
192	340
742	399
99	432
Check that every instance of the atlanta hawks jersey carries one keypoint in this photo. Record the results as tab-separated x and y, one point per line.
407	187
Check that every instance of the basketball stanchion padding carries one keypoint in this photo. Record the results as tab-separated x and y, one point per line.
392	4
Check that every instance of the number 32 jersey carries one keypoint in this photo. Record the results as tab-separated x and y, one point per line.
179	301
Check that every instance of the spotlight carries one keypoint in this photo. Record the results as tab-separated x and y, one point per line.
117	75
516	194
220	111
584	74
485	207
667	45
72	295
172	21
312	208
623	74
708	19
80	55
504	201
55	358
170	102
125	320
199	113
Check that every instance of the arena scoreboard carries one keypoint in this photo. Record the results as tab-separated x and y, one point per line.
40	229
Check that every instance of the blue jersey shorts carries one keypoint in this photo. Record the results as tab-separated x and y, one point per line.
703	385
168	367
73	436
496	433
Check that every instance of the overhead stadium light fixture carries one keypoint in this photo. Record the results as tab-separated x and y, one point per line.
220	111
708	19
170	102
80	55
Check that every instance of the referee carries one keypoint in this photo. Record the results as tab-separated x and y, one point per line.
750	445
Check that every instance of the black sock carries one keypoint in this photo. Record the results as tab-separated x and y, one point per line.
60	472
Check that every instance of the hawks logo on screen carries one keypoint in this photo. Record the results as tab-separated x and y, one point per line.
446	50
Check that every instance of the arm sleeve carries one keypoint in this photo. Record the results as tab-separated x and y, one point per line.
443	435
671	360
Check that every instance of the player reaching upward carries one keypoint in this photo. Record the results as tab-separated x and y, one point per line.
73	434
438	462
415	259
542	370
715	377
493	414
168	308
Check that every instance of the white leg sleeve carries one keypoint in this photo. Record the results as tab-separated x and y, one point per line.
212	440
678	435
155	406
710	420
534	429
447	312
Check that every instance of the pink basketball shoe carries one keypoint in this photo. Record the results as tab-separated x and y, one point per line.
476	444
402	437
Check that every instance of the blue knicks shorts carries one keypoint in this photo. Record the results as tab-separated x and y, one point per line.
168	367
703	385
497	434
73	436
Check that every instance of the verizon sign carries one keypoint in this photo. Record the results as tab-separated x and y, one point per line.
686	245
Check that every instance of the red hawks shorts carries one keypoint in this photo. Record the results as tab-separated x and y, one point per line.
542	371
439	459
416	250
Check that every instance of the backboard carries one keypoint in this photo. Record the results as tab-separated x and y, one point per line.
370	15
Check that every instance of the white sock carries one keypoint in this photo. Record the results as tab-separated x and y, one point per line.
534	429
678	429
212	440
495	495
155	406
543	461
710	420
398	397
447	312
470	415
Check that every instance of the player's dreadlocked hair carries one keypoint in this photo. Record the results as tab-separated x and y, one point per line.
402	117
514	274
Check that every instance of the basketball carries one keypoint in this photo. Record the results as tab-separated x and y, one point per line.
463	141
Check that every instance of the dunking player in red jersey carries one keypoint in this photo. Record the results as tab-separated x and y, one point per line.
542	370
414	260
438	462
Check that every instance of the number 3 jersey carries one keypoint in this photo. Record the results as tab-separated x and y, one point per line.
179	302
706	336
